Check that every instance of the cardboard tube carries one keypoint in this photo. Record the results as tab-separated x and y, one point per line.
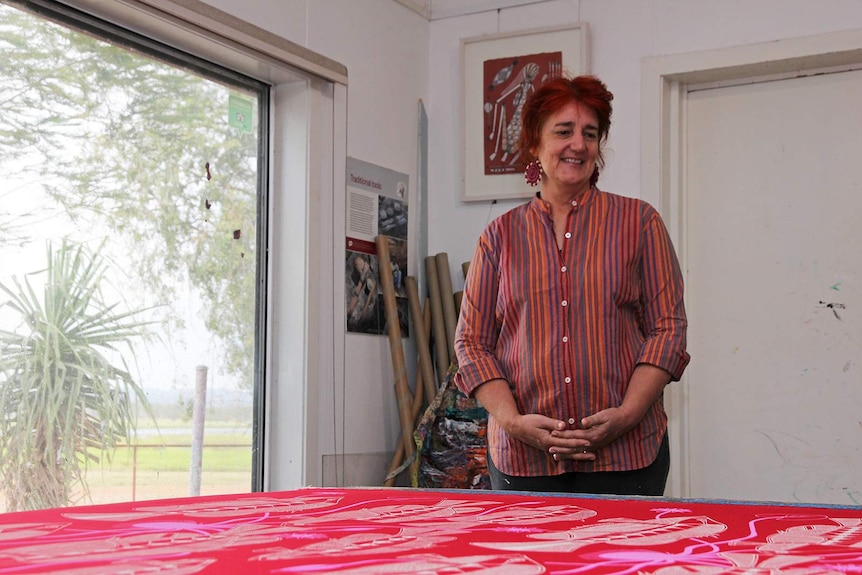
450	318
402	389
438	324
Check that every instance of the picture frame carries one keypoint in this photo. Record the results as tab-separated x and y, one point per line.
497	72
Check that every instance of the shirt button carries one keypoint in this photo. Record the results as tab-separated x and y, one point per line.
571	421
568	380
575	203
568	235
565	338
565	303
564	269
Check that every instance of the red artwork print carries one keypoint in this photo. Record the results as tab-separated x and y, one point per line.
433	531
507	83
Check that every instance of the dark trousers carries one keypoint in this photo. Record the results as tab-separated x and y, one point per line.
650	480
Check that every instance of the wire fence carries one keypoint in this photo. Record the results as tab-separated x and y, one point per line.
221	473
147	471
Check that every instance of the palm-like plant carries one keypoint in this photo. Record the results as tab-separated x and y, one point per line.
63	402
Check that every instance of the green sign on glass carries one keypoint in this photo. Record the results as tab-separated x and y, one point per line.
240	110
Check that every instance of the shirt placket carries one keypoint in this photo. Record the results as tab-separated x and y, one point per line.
567	281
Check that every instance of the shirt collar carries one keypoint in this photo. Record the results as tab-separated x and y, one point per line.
585	199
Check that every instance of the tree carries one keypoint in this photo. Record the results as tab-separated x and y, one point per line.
144	147
64	402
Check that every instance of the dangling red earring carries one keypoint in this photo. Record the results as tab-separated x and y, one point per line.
595	177
533	172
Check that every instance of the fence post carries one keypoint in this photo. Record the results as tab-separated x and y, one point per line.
198	430
134	471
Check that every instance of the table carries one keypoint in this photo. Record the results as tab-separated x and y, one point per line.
371	530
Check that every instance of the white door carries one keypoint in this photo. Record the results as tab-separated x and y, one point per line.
772	202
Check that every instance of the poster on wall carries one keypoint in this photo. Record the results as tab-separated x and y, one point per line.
376	205
498	73
508	82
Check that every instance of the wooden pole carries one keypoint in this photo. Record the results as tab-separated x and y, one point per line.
425	366
398	456
450	318
402	388
426	311
438	324
419	414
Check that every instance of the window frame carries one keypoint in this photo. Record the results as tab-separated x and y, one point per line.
303	165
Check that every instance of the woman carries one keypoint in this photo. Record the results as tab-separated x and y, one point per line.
572	320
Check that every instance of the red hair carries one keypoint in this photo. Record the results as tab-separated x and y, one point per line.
552	96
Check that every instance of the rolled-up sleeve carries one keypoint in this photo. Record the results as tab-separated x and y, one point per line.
664	316
478	329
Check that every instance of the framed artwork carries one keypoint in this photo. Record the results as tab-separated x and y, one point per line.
498	73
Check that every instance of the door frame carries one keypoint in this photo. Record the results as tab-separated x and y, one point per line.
665	83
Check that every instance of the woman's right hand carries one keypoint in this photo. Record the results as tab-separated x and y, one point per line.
549	435
545	433
534	430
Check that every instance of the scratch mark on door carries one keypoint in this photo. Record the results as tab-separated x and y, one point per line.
834	307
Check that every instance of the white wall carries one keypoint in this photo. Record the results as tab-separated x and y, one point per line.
622	32
385	49
395	57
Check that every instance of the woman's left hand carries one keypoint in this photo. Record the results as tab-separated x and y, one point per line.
599	430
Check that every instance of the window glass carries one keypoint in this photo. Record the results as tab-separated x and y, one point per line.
130	204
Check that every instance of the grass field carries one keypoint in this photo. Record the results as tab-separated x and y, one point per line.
113	487
157	465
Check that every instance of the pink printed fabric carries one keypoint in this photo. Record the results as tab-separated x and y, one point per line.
365	531
566	325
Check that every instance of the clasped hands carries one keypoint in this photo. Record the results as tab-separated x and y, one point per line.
576	442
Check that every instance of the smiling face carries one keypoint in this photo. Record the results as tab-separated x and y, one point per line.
568	148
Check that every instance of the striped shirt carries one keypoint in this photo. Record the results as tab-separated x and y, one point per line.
566	327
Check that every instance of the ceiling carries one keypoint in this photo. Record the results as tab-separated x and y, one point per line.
438	9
